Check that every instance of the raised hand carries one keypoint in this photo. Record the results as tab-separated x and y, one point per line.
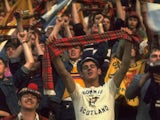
22	36
98	19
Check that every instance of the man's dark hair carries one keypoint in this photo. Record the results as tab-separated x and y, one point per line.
10	44
86	59
5	62
133	14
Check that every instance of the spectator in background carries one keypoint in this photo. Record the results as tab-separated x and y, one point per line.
131	21
142	86
62	98
9	50
73	67
51	104
9	86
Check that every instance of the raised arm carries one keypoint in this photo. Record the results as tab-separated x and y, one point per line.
57	27
137	83
18	16
8	8
39	49
66	26
19	49
120	11
138	10
65	75
119	75
75	15
21	76
22	36
99	22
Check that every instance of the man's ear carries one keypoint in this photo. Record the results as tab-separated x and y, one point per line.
99	71
81	74
81	53
37	105
19	103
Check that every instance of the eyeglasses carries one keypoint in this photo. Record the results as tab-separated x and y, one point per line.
29	95
155	56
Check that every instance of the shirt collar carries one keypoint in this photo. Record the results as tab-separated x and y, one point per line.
20	117
74	63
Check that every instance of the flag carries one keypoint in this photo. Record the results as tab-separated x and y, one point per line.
138	68
49	18
153	11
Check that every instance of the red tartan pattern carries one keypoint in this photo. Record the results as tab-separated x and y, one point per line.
60	45
47	71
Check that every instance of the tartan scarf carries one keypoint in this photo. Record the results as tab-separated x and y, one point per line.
60	45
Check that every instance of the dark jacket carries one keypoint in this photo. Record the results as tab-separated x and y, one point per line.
11	85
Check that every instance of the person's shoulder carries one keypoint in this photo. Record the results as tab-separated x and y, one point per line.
8	80
13	117
42	117
139	75
141	33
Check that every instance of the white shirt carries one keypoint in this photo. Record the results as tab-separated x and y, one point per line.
20	117
95	103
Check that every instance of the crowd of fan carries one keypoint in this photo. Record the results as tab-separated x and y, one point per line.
24	51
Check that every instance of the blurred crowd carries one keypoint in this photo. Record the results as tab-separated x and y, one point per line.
27	58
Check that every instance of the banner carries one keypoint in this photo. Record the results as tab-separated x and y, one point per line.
153	10
138	68
49	17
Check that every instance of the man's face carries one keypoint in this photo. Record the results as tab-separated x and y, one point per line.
132	23
155	56
90	71
28	102
106	23
75	53
2	67
33	38
133	52
10	51
49	30
94	29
